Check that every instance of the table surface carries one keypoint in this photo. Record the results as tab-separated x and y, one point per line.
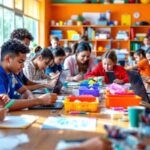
47	139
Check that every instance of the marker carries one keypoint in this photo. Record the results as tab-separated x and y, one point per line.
78	112
9	104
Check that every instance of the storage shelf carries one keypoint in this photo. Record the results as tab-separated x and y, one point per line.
82	26
141	26
136	41
96	40
92	4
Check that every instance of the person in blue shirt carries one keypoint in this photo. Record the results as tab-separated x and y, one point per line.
56	68
13	55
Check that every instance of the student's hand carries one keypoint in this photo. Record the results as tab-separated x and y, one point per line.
4	99
52	83
47	99
118	81
96	144
78	77
129	68
54	75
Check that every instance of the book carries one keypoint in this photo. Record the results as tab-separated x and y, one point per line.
22	121
70	123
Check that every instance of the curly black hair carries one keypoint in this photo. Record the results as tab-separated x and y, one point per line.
13	47
21	34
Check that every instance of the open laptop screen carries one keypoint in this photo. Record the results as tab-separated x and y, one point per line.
137	85
61	79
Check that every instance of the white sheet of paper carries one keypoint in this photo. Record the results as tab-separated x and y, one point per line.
12	141
72	123
22	121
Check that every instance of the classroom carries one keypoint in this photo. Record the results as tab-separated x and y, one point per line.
74	74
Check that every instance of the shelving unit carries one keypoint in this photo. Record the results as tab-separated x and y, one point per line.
63	11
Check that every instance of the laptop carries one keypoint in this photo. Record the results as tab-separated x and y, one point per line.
57	88
138	86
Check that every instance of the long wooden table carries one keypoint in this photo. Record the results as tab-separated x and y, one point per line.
47	139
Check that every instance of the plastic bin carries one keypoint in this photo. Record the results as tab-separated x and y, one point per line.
81	103
122	101
89	91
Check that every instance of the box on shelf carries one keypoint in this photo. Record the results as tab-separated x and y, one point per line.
140	36
57	33
81	103
72	34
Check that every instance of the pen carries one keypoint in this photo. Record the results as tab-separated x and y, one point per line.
78	112
9	104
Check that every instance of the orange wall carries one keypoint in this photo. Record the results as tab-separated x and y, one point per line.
65	12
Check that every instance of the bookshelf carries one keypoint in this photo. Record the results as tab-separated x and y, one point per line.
63	11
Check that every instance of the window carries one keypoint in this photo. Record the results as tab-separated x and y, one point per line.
19	4
1	26
32	26
18	21
8	23
16	14
8	3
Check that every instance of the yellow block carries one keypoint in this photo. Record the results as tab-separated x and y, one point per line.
70	34
126	19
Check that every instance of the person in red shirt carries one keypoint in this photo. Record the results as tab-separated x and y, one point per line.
109	63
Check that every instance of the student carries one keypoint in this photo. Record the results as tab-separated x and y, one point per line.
54	69
34	68
13	55
146	43
109	63
79	63
130	60
54	43
93	144
142	63
148	55
83	38
68	51
147	79
25	37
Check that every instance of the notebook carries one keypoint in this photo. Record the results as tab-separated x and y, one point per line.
70	123
22	121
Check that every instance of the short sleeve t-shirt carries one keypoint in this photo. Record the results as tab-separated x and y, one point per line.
9	83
